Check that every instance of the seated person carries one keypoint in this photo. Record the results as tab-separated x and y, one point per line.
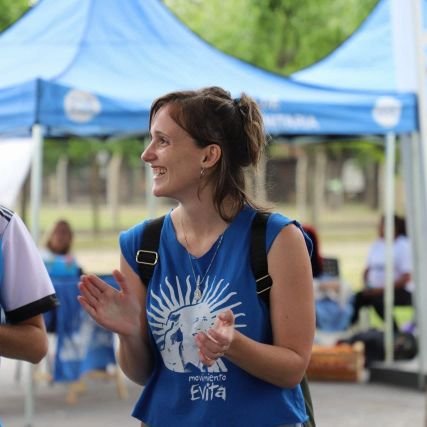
57	256
332	295
374	273
59	260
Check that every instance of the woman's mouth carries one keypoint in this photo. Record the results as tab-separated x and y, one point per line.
159	171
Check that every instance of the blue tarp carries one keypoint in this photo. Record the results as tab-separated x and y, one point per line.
93	67
81	345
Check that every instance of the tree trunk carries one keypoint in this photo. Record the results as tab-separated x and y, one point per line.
318	160
62	180
94	195
23	209
113	188
260	180
371	190
302	185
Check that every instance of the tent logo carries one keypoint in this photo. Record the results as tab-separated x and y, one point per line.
80	106
291	122
387	111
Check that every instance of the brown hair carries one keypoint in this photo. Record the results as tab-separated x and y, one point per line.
211	116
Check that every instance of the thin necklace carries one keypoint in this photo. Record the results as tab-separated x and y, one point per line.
198	292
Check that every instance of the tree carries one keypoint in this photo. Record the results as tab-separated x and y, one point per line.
279	35
11	10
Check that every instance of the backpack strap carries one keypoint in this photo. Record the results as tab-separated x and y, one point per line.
148	256
258	256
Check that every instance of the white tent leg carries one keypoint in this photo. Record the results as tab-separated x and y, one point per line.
419	32
389	238
421	294
413	190
36	193
150	199
36	181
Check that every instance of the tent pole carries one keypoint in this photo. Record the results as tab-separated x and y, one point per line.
421	294
150	199
36	193
389	238
36	181
418	28
411	169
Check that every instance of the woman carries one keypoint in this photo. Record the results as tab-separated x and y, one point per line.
60	262
57	256
333	296
199	338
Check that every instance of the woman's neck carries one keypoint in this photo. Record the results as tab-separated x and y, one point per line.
198	226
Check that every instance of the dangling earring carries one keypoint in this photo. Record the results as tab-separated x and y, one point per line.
202	172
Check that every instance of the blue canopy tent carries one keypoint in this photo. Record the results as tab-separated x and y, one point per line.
93	67
387	52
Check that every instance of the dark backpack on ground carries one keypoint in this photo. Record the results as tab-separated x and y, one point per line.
147	258
405	345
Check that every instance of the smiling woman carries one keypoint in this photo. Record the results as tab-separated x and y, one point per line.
196	333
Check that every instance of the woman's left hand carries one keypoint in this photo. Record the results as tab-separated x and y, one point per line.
214	343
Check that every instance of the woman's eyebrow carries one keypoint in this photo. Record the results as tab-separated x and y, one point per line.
158	132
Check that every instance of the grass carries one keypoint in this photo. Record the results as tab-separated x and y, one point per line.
344	233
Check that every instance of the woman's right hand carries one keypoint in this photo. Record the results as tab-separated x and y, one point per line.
116	310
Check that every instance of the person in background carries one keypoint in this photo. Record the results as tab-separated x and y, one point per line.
60	262
323	284
374	273
57	255
25	292
207	348
332	294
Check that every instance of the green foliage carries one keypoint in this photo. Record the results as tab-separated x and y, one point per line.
279	35
11	10
81	151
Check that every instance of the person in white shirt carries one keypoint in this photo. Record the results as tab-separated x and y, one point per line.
374	273
25	292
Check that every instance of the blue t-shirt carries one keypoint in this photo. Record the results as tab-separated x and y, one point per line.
60	266
181	391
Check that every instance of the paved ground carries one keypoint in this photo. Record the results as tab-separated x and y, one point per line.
336	404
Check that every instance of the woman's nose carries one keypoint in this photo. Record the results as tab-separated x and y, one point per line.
148	154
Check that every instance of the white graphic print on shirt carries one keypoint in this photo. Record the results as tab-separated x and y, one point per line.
176	319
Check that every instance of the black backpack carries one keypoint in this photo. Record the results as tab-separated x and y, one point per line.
147	258
405	345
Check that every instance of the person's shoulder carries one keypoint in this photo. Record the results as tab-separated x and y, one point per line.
378	244
133	234
136	228
402	242
279	220
6	216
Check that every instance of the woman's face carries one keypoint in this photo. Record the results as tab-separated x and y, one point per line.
60	239
174	157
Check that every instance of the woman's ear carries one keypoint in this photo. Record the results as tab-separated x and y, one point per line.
212	153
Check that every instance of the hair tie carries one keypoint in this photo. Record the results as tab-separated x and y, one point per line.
236	101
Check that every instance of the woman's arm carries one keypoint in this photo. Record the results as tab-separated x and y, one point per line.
123	312
292	315
26	340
